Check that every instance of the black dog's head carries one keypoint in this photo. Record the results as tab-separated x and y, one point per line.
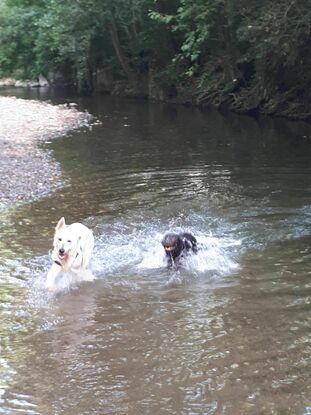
173	245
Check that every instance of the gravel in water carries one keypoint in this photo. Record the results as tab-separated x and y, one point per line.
27	171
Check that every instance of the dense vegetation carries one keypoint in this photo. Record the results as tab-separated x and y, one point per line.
247	55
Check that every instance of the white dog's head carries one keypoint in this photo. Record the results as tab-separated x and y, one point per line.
65	241
72	249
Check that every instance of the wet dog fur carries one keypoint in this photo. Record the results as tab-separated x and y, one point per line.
176	246
72	249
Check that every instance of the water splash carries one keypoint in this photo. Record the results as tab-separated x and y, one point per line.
131	249
136	248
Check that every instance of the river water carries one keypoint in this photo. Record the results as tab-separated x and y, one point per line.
228	333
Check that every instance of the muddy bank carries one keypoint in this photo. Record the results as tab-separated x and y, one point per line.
27	170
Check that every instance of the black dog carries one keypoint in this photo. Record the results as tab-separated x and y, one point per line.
176	246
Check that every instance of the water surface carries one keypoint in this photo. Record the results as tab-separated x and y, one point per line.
229	333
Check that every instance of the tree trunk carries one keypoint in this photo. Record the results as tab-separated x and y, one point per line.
118	49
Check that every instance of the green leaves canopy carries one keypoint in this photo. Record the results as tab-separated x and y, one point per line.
246	53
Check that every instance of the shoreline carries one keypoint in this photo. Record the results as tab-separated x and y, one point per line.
236	103
27	170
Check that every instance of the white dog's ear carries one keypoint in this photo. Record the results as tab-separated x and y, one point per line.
80	248
86	247
61	224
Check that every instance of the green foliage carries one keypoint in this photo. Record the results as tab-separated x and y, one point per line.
74	38
18	32
192	22
246	53
243	52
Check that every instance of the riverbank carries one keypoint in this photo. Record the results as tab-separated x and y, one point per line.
27	170
236	99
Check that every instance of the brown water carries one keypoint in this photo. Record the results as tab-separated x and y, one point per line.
227	334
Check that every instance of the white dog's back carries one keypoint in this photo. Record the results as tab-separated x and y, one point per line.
85	241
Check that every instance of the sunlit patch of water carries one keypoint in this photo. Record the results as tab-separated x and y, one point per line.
21	404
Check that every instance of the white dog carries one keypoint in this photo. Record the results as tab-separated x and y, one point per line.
73	245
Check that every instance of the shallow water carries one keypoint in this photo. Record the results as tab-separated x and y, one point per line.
229	333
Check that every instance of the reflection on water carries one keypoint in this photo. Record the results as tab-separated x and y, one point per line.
228	333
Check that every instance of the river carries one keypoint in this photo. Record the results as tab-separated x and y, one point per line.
228	333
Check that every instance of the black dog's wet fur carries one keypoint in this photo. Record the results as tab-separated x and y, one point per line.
180	244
